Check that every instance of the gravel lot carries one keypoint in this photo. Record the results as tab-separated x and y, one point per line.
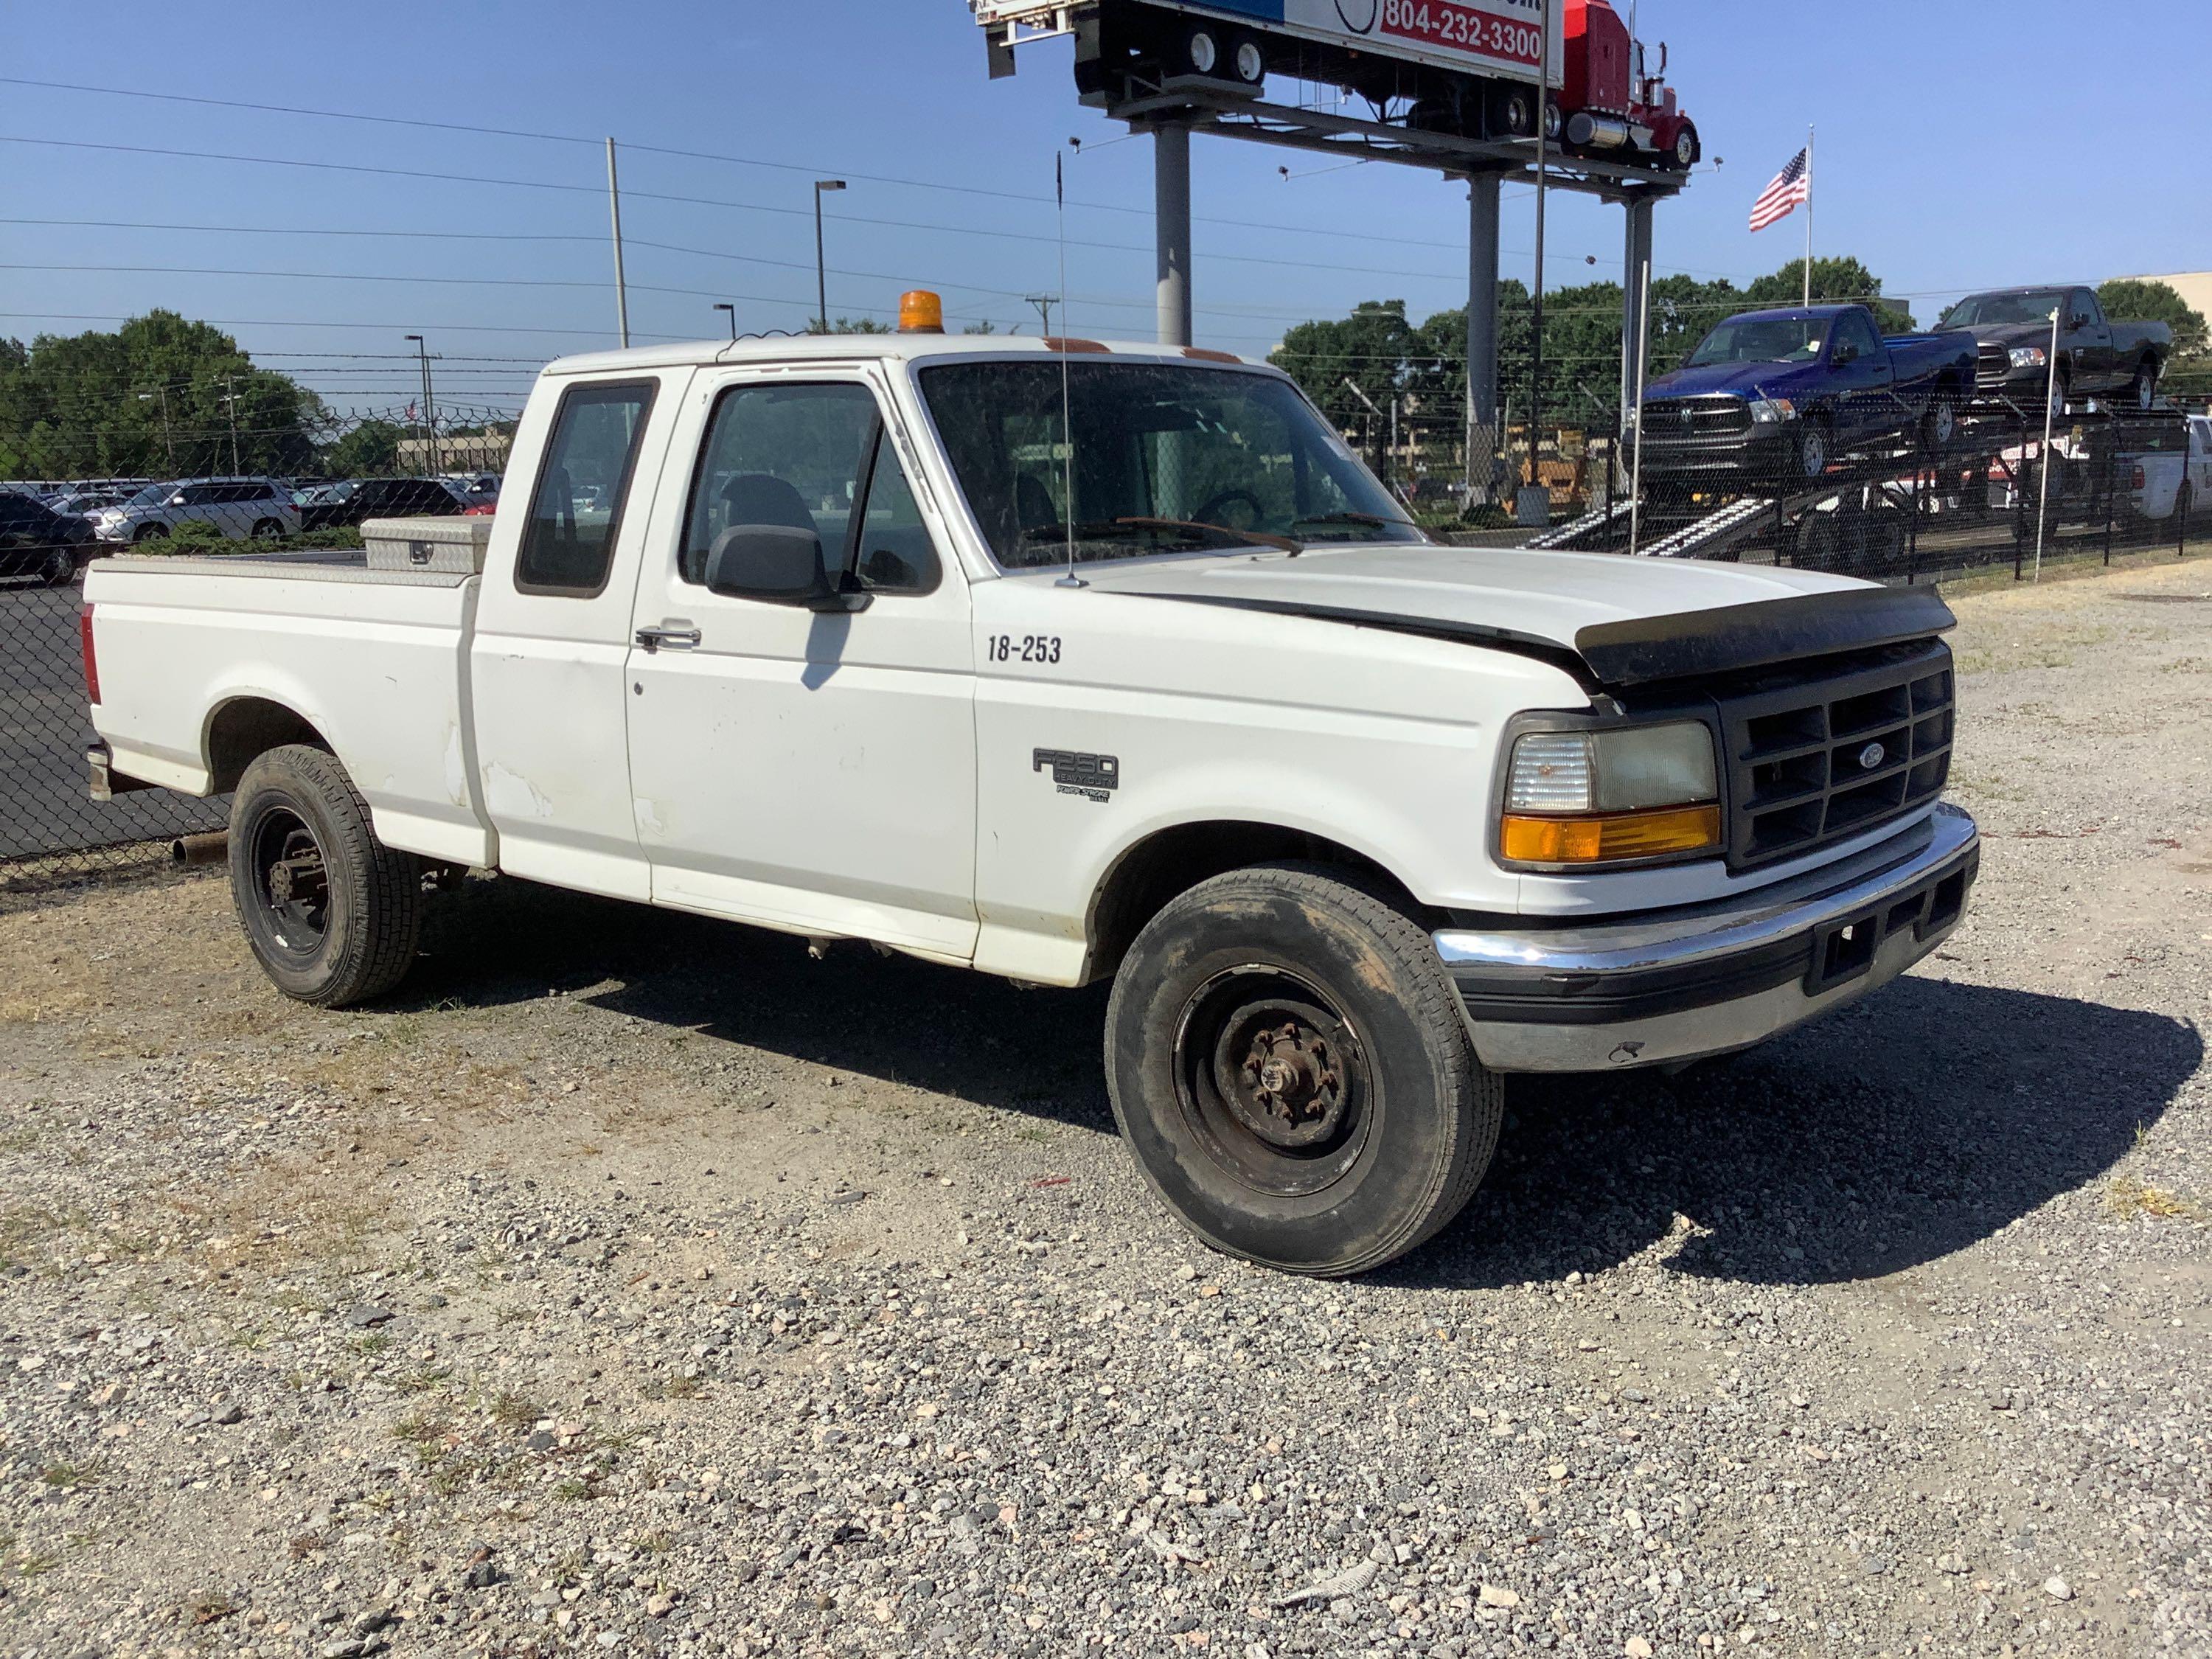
639	1284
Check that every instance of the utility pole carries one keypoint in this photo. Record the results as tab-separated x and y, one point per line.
429	416
820	268
230	409
724	305
1043	304
168	443
621	289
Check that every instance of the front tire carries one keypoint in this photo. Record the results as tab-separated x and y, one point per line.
1287	1061
1939	427
1813	452
332	913
58	567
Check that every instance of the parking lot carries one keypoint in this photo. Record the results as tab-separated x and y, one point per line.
640	1284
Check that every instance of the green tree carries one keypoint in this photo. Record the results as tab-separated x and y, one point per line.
370	449
2139	300
160	396
1835	282
855	326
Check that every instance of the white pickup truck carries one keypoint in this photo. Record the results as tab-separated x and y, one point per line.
807	633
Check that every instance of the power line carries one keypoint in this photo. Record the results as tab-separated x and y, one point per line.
698	201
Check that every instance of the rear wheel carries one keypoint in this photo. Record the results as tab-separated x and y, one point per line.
1939	426
1288	1062
267	530
2145	389
1199	52
148	533
58	567
332	913
1514	113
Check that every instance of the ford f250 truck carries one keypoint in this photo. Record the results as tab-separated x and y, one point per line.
1068	661
1778	395
2012	330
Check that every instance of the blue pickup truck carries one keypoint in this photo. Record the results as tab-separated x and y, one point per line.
1778	395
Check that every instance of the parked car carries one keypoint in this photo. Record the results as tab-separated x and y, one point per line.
1778	395
2164	482
38	542
239	507
88	503
357	499
1355	822
2012	330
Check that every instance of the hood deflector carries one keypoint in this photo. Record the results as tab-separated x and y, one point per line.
1687	645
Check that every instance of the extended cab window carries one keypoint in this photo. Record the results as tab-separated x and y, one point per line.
576	511
814	458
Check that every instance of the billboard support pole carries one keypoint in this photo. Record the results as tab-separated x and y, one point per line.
1636	262
1171	215
1482	197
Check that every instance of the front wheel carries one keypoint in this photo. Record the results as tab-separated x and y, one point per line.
1288	1062
1812	451
332	913
1685	152
58	567
1939	426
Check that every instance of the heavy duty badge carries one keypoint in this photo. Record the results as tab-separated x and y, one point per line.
1094	777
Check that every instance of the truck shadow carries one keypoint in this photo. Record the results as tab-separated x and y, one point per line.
1893	1133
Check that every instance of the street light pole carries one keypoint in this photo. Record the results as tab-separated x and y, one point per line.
724	305
230	409
430	418
821	268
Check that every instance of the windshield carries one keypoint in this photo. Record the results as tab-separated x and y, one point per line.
1762	340
1167	460
1989	309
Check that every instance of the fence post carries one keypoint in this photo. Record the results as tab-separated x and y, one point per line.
2111	499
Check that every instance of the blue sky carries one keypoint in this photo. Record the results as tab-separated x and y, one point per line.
2067	141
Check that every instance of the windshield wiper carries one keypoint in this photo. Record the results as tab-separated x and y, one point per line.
1249	537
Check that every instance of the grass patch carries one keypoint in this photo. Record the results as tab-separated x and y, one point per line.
63	1477
2128	1196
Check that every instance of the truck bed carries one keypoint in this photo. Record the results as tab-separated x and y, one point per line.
376	661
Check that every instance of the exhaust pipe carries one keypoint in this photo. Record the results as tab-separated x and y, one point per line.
213	847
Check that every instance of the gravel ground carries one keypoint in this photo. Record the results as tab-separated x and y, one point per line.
636	1284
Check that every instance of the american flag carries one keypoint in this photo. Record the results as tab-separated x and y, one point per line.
1792	185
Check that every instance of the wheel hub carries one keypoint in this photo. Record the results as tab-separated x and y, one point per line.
298	883
1281	1076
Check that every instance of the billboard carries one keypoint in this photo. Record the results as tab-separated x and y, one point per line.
1490	37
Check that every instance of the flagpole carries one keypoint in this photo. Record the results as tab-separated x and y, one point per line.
1809	216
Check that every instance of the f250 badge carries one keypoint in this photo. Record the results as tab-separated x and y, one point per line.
1095	777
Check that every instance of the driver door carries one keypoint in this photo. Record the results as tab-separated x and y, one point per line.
813	771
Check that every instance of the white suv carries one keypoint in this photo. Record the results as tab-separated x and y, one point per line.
240	507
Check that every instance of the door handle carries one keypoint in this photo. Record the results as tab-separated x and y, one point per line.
676	639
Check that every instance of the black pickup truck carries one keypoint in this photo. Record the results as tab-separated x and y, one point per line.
2012	336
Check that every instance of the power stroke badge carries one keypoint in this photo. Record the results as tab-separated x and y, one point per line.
1095	777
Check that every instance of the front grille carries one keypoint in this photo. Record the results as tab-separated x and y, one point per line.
1685	419
1815	761
1992	363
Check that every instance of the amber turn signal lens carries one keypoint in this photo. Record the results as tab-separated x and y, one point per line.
1613	837
920	312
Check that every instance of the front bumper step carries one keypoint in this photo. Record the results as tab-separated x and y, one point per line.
1709	979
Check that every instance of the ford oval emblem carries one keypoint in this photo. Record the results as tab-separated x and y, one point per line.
1871	756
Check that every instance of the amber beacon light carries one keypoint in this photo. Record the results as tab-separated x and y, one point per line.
920	312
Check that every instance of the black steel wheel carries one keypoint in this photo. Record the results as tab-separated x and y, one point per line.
332	914
1289	1064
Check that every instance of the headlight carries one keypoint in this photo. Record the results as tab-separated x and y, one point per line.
1765	411
1615	794
2028	357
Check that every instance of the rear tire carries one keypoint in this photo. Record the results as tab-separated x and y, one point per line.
267	530
2145	391
1939	426
149	532
332	913
1288	1062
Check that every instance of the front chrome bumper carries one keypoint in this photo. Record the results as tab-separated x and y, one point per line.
1705	979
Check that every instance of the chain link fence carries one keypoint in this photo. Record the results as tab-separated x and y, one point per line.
298	477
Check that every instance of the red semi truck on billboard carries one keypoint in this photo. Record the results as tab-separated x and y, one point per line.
1452	66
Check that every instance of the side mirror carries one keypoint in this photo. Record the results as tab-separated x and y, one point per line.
177	500
775	564
1845	352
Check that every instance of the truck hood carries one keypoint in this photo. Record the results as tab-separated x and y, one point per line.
1610	620
2010	334
1731	379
